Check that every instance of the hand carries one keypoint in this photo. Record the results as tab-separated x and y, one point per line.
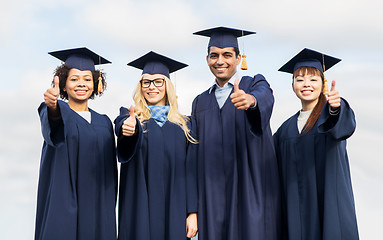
129	125
51	95
333	97
240	99
191	225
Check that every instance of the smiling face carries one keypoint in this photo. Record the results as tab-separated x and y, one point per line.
223	62
151	88
308	86
79	85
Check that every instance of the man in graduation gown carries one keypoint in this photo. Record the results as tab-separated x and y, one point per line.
239	197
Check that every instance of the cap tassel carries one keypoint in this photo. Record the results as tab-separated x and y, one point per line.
325	85
100	87
244	62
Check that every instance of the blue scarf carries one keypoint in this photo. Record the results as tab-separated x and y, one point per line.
159	114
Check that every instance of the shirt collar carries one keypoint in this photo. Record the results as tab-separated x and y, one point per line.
237	75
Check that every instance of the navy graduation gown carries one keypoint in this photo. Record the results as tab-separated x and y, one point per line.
78	177
239	195
318	201
158	186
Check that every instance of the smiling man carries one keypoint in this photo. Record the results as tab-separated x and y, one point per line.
239	197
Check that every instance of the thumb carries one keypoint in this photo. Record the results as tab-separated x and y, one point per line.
131	111
56	82
332	86
236	85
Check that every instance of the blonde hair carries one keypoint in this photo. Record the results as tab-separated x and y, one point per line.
142	110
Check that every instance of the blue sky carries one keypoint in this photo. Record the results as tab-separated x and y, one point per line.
122	30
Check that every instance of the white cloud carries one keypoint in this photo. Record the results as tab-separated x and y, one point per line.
144	24
327	22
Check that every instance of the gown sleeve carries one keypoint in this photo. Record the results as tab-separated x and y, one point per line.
127	147
259	117
194	105
191	171
340	126
52	128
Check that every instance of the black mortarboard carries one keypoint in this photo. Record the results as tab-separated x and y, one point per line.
223	37
309	58
154	63
79	58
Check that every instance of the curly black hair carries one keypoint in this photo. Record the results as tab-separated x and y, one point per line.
62	72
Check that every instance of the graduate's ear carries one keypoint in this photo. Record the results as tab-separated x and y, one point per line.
239	57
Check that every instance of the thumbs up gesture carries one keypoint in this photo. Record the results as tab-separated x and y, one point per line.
240	99
333	97
129	125
51	95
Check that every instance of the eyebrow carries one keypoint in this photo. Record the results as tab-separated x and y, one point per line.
76	75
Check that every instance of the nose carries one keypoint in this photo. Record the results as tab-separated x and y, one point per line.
220	60
307	83
151	85
81	82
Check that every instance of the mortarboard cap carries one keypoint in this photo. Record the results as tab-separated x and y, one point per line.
79	58
154	63
309	58
223	37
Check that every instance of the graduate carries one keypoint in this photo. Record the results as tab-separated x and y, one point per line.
239	195
157	151
318	202
78	172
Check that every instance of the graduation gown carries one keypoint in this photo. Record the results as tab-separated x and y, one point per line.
318	201
239	195
78	177
158	186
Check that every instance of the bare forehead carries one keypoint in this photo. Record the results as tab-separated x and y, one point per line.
152	76
77	72
222	50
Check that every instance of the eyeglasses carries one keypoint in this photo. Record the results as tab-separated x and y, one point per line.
158	82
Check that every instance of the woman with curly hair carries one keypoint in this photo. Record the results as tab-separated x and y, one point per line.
78	174
157	151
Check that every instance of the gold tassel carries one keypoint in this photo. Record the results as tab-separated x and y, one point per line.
325	87
100	84
100	87
244	63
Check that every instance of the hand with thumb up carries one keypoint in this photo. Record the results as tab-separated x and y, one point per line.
240	99
129	125
333	97
51	95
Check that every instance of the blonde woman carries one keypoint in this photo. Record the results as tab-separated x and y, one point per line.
158	190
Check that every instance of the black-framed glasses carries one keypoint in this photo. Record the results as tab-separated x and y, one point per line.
158	82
